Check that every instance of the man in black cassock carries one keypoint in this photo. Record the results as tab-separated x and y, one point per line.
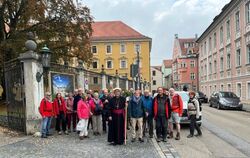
116	117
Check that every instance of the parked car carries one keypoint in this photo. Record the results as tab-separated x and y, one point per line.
184	118
202	97
225	100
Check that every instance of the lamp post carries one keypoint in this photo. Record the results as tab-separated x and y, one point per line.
138	74
45	60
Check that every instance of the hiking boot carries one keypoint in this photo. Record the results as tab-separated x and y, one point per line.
171	135
141	140
133	140
178	137
190	136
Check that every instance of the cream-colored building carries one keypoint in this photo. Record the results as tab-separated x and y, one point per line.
156	78
224	52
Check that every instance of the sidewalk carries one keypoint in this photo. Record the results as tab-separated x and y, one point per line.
246	107
70	146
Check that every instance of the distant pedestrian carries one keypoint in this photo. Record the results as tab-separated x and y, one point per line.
83	111
162	111
60	111
69	107
148	119
96	109
89	100
193	112
47	112
77	97
136	111
176	113
105	101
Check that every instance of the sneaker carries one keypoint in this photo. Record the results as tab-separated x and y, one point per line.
178	137
141	140
198	135
133	140
60	133
158	140
66	132
190	136
164	140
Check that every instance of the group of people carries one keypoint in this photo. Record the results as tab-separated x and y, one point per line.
118	112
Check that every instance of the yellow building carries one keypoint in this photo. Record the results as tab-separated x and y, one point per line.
114	45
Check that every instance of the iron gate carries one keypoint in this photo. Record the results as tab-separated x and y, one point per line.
15	97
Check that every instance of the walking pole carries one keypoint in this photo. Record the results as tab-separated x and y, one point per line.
125	124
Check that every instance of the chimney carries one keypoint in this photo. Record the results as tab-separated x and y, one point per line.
176	36
196	36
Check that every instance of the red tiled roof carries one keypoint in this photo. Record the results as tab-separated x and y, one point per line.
114	30
157	68
182	41
168	63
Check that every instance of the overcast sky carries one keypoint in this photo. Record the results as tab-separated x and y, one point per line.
159	19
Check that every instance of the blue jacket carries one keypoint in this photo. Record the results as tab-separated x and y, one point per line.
148	104
136	110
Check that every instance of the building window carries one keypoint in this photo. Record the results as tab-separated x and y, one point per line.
94	49
122	48
229	87
154	82
210	44
221	35
239	89
109	49
228	61
205	48
215	40
109	64
222	87
192	64
248	12
228	29
154	73
137	48
221	64
215	66
95	80
248	90
210	68
95	65
248	54
238	57
192	76
237	21
123	64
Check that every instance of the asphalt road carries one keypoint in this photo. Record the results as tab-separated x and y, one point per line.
226	133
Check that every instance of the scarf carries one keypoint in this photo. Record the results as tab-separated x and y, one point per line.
136	99
97	101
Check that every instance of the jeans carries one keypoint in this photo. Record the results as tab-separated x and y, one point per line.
61	118
161	126
140	123
46	122
194	125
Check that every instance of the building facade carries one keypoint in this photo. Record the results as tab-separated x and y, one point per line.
224	60
115	45
156	79
166	69
185	63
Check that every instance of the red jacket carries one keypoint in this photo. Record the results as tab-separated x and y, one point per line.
177	104
58	108
83	110
93	106
46	108
155	106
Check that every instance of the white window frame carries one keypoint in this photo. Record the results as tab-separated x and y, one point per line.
238	63
112	64
228	27
247	89
222	63
247	12
237	23
222	87
123	44
248	54
126	64
135	47
221	35
192	63
215	40
155	83
192	76
229	61
92	49
237	89
230	90
110	48
97	64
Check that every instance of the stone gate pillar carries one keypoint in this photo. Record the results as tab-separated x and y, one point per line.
34	91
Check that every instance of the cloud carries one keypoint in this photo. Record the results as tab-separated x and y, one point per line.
159	19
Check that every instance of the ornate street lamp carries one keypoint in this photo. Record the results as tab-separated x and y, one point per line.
45	60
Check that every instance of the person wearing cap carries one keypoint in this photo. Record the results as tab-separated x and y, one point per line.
193	112
116	117
75	102
96	108
136	111
47	112
148	119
